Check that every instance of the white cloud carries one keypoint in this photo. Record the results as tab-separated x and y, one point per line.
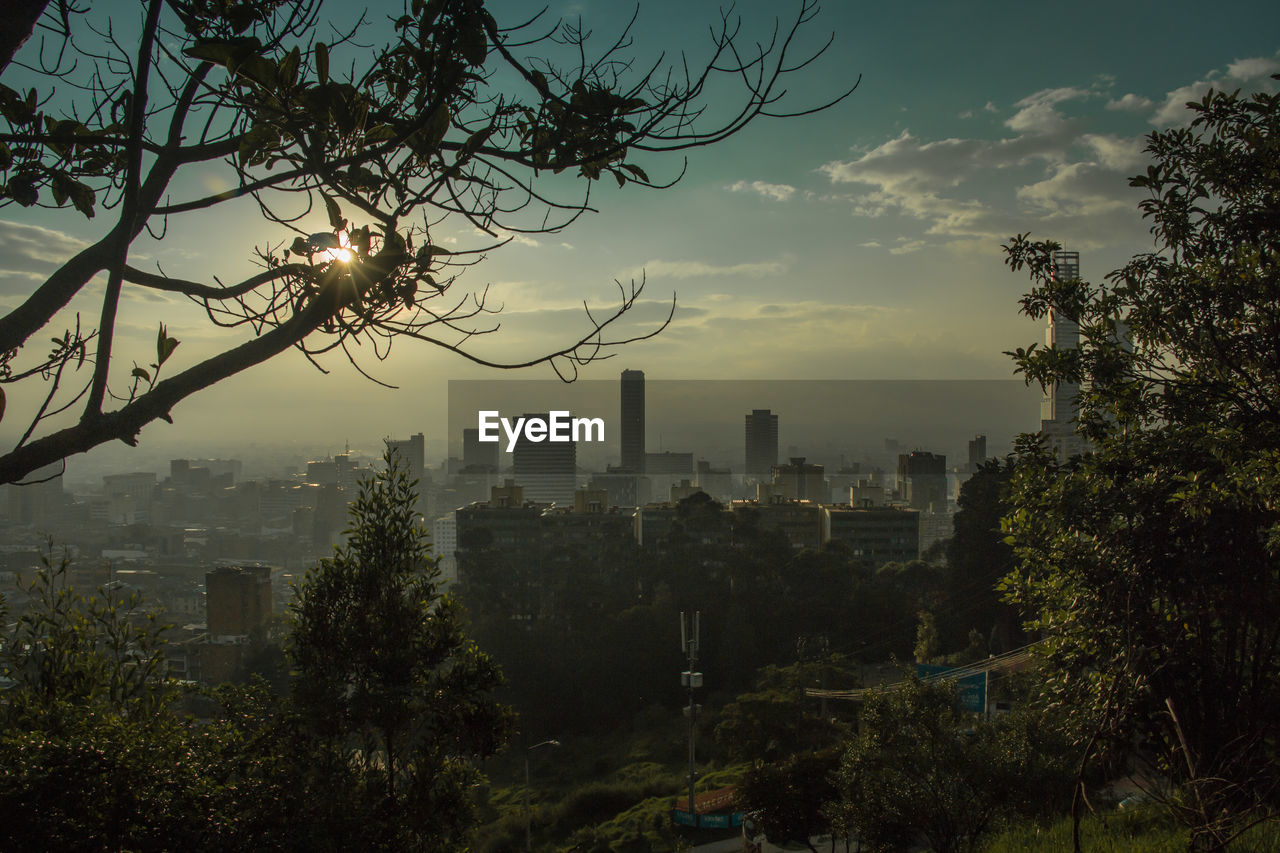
970	190
502	235
1251	73
966	114
32	248
698	269
1246	70
777	192
1130	103
1075	189
908	247
1123	154
1037	113
991	107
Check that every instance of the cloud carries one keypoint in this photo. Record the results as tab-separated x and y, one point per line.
699	269
501	234
966	114
1246	70
907	247
1130	103
777	192
1075	189
1038	114
1251	73
31	252
905	166
1123	154
970	189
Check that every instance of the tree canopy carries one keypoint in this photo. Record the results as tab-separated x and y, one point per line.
389	129
1151	564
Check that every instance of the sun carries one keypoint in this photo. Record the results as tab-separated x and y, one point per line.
342	255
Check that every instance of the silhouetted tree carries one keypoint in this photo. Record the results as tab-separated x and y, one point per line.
386	676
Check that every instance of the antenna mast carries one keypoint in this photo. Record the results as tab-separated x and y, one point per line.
692	679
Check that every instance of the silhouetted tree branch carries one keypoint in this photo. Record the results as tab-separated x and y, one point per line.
450	119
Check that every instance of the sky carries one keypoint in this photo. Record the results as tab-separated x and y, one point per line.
862	242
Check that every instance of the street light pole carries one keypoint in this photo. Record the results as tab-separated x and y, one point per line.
528	811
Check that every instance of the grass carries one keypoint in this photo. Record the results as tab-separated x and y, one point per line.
610	792
1143	830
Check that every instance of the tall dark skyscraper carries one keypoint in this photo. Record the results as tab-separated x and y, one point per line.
762	444
632	420
977	452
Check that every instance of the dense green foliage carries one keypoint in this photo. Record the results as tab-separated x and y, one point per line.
920	767
385	676
560	617
375	750
1151	565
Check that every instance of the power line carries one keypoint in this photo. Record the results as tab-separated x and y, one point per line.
998	663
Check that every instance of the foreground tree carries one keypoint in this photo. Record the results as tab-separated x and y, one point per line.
387	679
919	766
1151	566
793	746
449	120
92	756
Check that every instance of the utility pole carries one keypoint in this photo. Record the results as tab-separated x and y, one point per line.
692	679
528	811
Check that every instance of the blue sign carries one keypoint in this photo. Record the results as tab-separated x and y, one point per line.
718	820
971	690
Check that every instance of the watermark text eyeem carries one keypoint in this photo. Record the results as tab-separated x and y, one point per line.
557	426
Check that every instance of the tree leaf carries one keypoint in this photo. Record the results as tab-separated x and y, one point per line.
335	212
322	62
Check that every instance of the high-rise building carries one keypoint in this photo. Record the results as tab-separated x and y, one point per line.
877	535
977	452
237	604
762	444
444	546
478	456
412	453
1060	407
548	470
800	481
632	420
922	477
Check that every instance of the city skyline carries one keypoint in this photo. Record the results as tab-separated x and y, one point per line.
862	242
